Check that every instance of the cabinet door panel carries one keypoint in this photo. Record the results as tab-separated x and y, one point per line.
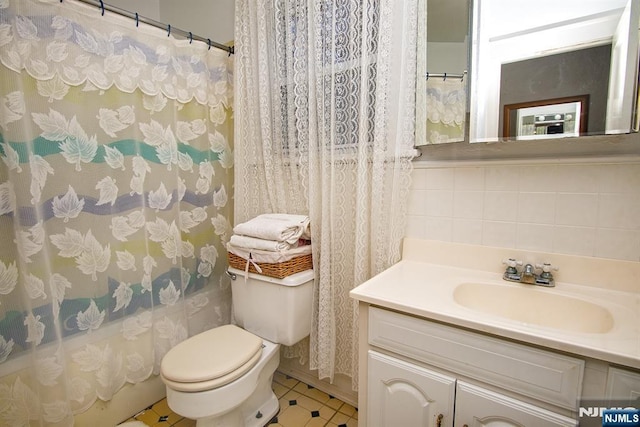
404	394
478	407
622	384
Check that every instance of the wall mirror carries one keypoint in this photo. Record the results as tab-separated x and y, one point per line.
523	52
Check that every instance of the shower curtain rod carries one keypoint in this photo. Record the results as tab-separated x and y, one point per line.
447	75
139	18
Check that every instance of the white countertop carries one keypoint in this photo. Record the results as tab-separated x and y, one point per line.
426	290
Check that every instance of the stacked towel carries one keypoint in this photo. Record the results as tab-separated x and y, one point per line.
248	242
270	233
276	227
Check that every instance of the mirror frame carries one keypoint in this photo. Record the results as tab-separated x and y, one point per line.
608	145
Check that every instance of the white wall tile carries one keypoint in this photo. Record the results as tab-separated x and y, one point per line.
618	244
502	178
419	179
439	203
439	229
578	209
500	234
440	179
581	178
619	178
415	226
467	231
417	202
588	209
500	205
537	208
468	204
619	210
534	237
469	179
537	178
574	240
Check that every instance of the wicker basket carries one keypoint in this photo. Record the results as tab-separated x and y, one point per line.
278	270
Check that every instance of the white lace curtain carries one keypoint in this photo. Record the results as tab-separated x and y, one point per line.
325	117
115	149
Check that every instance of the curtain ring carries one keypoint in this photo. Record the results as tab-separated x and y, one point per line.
190	37
137	19
168	30
445	77
102	7
209	40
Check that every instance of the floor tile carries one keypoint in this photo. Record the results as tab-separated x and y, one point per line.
316	422
149	417
334	403
300	406
347	409
285	380
294	416
185	422
340	418
279	389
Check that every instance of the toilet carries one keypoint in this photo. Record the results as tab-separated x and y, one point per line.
222	377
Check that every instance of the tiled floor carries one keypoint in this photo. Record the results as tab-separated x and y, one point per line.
300	406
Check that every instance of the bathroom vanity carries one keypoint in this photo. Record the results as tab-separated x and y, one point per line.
445	341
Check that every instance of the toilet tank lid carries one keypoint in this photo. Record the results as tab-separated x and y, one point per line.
293	280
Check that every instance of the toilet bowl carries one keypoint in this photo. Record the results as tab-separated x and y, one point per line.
222	377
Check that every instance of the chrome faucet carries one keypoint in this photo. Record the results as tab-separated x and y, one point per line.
528	273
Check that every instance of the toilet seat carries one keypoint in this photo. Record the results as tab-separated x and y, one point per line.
214	358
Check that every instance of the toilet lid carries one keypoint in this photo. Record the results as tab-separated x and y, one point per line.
216	356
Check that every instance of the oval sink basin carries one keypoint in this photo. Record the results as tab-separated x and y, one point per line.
535	306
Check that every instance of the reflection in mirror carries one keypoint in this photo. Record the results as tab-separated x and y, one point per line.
547	118
442	72
526	52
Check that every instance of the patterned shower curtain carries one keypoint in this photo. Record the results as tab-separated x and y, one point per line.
115	173
446	104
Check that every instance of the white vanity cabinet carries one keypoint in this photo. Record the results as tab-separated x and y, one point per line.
423	373
622	384
404	394
477	406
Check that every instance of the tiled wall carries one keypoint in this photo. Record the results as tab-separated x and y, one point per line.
575	208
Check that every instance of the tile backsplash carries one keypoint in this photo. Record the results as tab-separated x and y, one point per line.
575	208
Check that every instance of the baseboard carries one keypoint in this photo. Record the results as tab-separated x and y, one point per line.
341	387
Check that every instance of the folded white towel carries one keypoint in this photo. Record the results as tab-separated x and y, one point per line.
279	227
257	255
248	242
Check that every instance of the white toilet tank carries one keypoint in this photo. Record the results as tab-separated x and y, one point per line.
278	310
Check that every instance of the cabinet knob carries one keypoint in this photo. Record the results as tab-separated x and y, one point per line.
439	420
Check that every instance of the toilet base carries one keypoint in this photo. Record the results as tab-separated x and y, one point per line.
246	402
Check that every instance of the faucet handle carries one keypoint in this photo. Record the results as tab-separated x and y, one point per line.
511	266
546	278
546	267
511	262
511	273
